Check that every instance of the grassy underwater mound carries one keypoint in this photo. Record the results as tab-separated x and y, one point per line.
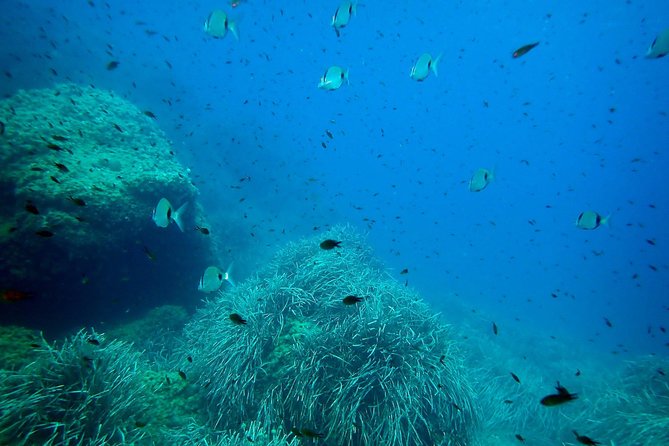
305	366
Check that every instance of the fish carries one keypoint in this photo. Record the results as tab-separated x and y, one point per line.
189	358
117	127
213	278
555	399
660	46
62	167
480	180
515	377
77	201
44	233
59	138
523	50
590	220
218	24
608	322
150	114
55	147
204	231
520	438
54	179
30	207
237	319
333	78
311	434
93	341
342	15
2	128
352	300
494	328
13	295
425	63
330	244
113	65
182	375
585	440
149	254
404	271
163	214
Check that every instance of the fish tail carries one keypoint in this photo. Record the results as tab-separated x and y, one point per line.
232	26
434	64
228	275
606	221
346	77
177	216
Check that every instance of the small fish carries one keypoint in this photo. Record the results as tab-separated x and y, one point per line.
524	50
585	440
140	424
520	438
117	127
218	24
2	128
113	65
342	15
213	278
237	319
204	231
352	300
44	233
182	375
515	377
333	78
578	372
311	434
163	214
608	322
30	207
404	271
330	244
421	69
62	167
441	360
589	220
555	399
149	114
54	179
660	46
151	256
189	358
93	341
494	328
480	180
77	201
14	295
55	147
59	138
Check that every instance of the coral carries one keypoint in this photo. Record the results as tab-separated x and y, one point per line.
85	392
384	371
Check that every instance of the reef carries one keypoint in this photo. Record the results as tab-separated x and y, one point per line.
81	171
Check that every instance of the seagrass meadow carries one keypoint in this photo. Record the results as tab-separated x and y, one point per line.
305	368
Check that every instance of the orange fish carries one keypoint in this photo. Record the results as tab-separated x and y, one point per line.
14	295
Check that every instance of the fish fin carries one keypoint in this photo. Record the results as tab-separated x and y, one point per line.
434	64
228	275
178	215
232	26
606	221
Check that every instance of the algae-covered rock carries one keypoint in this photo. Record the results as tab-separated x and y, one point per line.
82	170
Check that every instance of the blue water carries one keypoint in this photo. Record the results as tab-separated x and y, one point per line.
578	123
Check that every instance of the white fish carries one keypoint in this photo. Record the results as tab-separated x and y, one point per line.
423	66
218	24
333	78
213	278
163	214
660	46
480	180
343	15
591	220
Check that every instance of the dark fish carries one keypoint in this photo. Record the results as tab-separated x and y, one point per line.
93	341
205	231
351	300
55	147
441	360
237	319
2	128
585	440
508	401
149	114
14	295
168	380
311	434
37	169
295	431
62	167
30	207
44	233
149	254
59	138
524	50
118	127
189	358
494	328
404	271
555	399
54	179
520	438
182	375
608	322
77	201
578	372
515	377
113	65
330	244
140	424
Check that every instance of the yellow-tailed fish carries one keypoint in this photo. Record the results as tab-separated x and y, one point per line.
343	15
660	46
333	78
480	180
218	24
213	278
423	66
164	214
591	220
